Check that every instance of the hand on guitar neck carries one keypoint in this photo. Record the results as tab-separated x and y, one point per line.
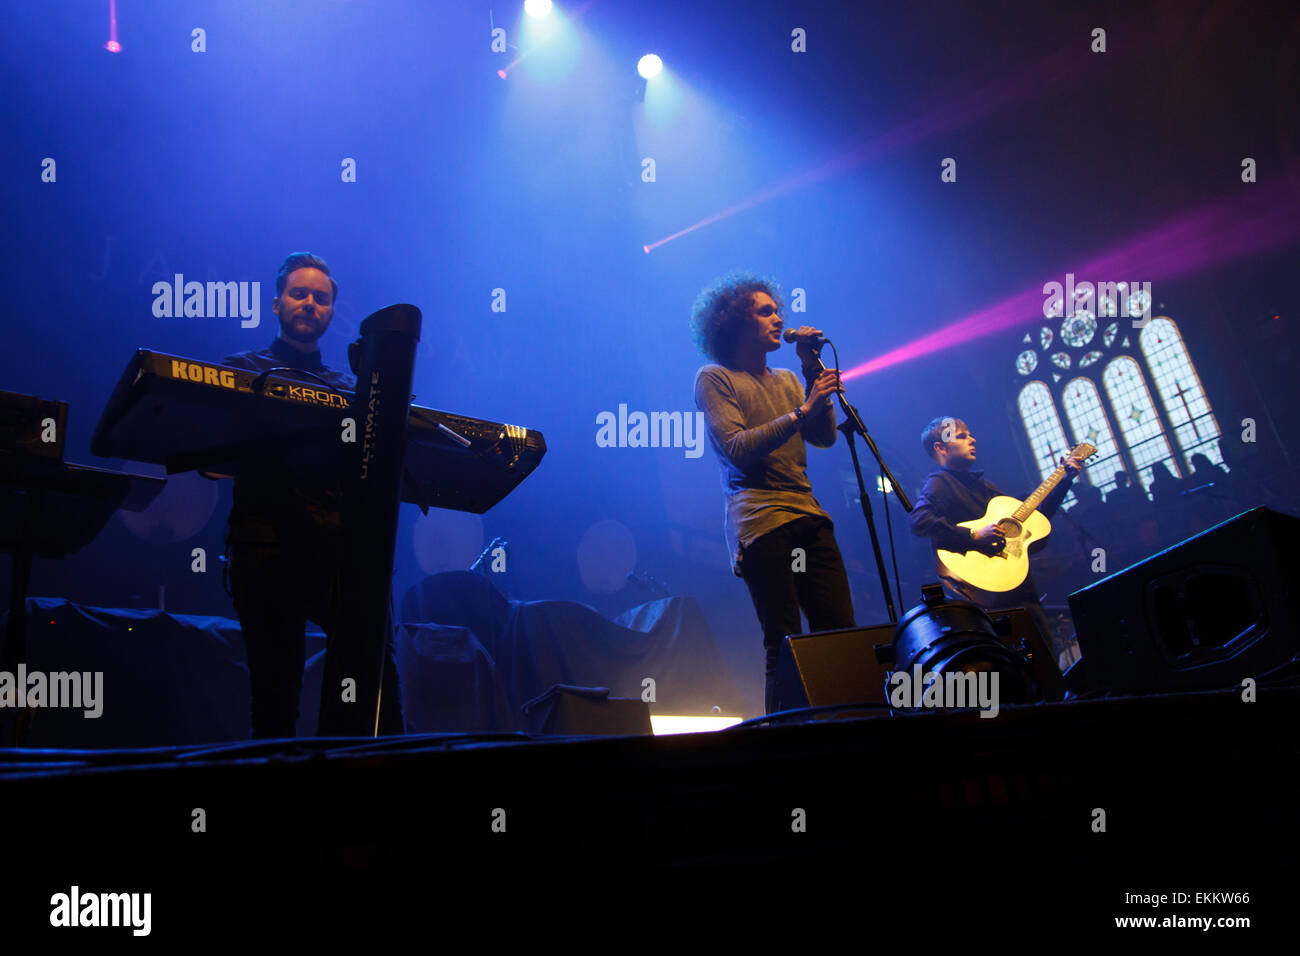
992	539
1073	466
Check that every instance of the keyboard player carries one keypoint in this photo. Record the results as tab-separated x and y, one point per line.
285	539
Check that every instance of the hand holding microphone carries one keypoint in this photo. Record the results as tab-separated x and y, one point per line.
824	381
809	348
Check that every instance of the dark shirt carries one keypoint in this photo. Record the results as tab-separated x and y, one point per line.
950	497
274	502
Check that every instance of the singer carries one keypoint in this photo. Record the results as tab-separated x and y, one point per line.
781	541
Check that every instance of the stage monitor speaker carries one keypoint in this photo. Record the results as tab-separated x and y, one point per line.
852	665
1205	613
834	667
567	710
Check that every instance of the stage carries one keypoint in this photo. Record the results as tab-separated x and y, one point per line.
411	410
1047	815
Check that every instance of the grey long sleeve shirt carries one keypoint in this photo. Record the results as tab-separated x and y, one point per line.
760	449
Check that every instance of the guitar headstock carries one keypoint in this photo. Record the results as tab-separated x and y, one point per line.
1083	451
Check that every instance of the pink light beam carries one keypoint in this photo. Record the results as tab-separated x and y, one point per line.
943	114
1209	236
112	46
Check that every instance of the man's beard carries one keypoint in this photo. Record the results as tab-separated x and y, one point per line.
307	337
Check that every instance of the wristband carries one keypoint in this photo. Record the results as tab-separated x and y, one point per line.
800	414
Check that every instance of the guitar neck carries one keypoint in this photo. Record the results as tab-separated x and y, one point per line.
1031	503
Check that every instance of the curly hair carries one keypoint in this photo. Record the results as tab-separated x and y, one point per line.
721	310
303	260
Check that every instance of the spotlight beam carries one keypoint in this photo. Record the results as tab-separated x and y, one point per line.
574	16
1209	236
113	46
946	114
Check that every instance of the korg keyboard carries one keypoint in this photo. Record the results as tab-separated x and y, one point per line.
187	415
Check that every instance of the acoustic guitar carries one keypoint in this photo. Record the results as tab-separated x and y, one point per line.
1021	523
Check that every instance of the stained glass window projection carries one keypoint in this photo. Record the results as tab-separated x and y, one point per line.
1180	389
1087	418
1043	426
1078	330
1136	415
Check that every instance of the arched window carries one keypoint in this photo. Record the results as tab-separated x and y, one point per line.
1186	406
1043	428
1098	372
1088	422
1138	422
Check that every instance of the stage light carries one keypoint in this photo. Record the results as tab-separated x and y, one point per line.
112	46
649	66
678	724
537	8
943	637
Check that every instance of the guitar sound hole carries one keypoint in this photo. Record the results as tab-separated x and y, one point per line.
1010	527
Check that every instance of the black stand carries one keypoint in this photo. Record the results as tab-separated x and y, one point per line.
810	355
384	362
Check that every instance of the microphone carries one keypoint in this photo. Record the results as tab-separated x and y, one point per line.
816	341
810	351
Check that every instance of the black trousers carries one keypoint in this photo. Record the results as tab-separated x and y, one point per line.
778	590
277	588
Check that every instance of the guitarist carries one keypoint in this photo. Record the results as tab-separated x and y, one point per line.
954	494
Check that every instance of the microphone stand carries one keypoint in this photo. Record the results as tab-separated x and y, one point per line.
810	355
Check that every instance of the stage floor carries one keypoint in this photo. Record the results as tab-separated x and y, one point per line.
1050	812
